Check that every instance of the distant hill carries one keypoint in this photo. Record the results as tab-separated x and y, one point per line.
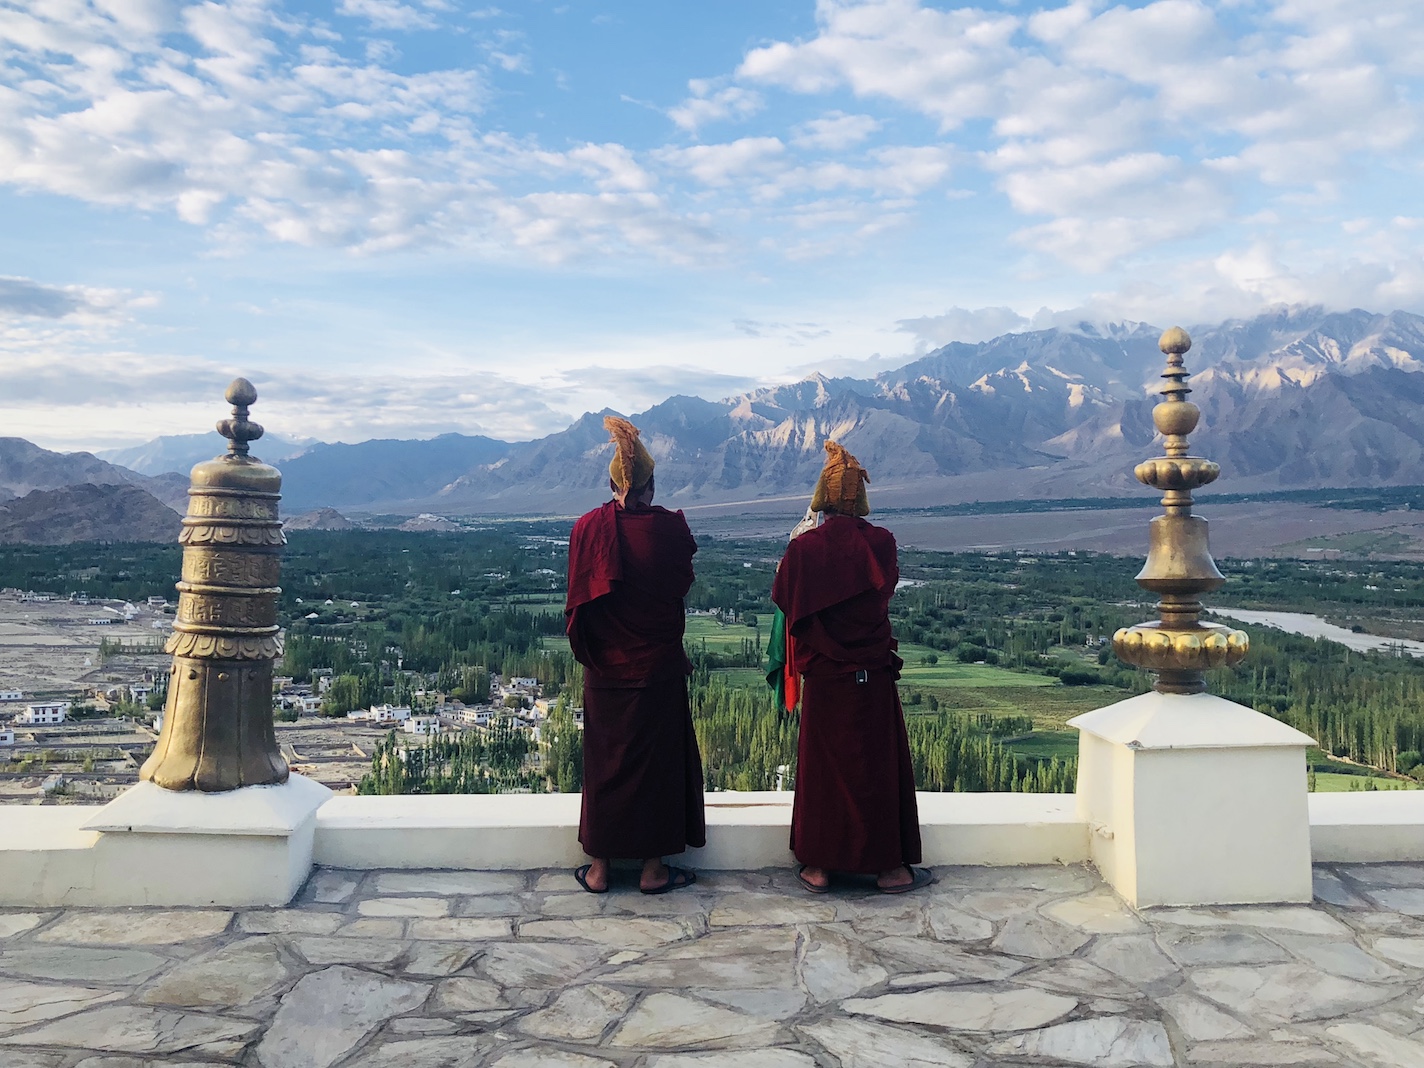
179	452
321	519
1296	398
25	467
379	470
87	512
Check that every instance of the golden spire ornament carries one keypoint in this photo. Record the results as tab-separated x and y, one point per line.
1179	647
217	725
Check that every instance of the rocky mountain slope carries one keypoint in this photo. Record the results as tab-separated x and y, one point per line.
1295	398
25	467
87	512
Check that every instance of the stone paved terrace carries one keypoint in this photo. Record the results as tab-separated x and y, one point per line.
992	966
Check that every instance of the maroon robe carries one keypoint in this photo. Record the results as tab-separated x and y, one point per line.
854	809
642	774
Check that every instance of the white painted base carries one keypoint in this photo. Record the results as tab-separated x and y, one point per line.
1195	800
744	831
152	846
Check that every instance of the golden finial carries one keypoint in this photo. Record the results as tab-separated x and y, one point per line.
1179	568
239	430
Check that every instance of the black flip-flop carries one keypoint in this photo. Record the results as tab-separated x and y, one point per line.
920	878
808	884
677	878
581	875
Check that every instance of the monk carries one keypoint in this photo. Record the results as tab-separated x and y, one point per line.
854	809
630	566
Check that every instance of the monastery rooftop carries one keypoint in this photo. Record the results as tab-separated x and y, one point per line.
1033	965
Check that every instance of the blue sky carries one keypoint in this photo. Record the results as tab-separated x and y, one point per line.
405	217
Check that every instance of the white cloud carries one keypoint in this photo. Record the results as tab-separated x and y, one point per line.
834	131
388	14
962	324
24	297
708	103
1132	126
265	128
722	164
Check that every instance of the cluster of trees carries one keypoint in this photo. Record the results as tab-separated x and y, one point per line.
1365	707
471	762
950	753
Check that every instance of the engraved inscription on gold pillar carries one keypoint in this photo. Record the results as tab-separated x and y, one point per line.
1179	568
217	726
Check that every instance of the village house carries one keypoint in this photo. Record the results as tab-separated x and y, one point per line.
380	714
477	717
7	736
45	713
424	725
12	695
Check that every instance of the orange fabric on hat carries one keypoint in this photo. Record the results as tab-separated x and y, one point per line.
632	464
841	487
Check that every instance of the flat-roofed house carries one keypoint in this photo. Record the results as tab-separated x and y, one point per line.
45	713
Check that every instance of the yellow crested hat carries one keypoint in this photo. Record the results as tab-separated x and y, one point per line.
632	464
841	487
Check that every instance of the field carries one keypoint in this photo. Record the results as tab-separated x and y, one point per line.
949	673
50	648
1327	782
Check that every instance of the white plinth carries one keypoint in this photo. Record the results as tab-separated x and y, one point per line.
151	846
1195	800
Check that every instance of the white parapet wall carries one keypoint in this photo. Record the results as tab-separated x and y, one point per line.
48	856
1367	827
744	831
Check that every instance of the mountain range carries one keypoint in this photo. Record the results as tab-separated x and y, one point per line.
1297	397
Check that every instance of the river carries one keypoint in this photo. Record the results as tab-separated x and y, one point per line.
1315	627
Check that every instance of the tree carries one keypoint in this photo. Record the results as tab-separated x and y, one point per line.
564	743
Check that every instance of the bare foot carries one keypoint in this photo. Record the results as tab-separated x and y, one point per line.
816	876
655	873
901	876
597	877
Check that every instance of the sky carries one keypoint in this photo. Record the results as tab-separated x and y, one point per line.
401	218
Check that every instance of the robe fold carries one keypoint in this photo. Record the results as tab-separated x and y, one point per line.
854	809
642	774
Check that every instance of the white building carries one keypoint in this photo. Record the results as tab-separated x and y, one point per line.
309	704
426	725
47	713
7	736
380	714
12	695
478	717
157	602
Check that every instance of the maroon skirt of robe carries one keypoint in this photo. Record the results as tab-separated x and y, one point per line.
642	773
854	809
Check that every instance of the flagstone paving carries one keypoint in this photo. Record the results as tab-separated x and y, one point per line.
989	967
